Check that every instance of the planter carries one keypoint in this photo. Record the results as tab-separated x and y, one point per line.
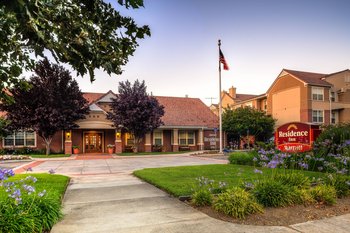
75	150
110	150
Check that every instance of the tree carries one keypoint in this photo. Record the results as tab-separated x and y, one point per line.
3	127
52	103
135	111
85	34
247	120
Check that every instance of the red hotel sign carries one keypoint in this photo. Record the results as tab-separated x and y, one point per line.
294	137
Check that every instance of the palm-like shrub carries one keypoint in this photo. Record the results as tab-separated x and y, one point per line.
294	179
202	197
272	193
237	202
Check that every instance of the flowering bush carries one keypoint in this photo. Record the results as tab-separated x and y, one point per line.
23	208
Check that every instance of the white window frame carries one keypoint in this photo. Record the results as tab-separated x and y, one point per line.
155	137
318	114
13	135
316	93
186	137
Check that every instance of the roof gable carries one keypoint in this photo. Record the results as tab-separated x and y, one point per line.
308	77
107	98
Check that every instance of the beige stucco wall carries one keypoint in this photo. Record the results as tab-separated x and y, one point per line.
95	120
286	105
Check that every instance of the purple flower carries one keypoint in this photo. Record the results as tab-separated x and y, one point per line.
248	185
255	159
29	169
28	188
347	142
303	165
272	164
32	178
41	194
51	171
258	171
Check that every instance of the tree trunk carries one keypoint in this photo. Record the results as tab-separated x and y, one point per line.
47	144
137	143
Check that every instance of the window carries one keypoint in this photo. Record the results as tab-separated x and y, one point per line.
347	79
186	138
317	116
334	117
20	139
317	93
158	138
332	96
129	139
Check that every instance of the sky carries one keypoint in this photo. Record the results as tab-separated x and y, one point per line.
259	38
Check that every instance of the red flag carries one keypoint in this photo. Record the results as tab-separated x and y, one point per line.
222	60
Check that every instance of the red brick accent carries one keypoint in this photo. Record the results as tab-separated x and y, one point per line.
68	148
175	148
118	147
148	148
30	165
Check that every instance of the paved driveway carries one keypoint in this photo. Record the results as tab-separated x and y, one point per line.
120	164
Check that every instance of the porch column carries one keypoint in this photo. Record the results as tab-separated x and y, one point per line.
200	143
175	142
148	143
68	142
118	141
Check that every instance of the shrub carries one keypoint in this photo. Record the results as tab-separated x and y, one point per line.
202	197
324	194
341	184
294	179
272	193
302	196
237	202
242	158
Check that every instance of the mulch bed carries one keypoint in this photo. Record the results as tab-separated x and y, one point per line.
287	215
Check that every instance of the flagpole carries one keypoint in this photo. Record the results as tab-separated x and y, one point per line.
220	104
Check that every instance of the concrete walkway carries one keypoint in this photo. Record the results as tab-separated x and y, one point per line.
104	197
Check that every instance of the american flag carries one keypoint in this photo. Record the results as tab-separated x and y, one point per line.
222	60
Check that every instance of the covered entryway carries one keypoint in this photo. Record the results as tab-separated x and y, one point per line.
93	142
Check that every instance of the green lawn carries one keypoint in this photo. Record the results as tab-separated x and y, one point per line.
49	156
179	181
55	185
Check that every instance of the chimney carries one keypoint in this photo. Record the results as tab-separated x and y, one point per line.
232	92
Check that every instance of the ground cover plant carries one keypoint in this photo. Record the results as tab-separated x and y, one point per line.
30	203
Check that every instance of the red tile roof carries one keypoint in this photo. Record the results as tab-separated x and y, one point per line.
187	112
179	111
243	97
92	97
309	78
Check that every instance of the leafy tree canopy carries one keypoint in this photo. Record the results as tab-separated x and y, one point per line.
242	121
85	34
3	127
135	111
53	102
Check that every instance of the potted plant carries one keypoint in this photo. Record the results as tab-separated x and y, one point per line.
75	149
110	148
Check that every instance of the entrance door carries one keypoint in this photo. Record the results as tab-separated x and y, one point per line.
93	142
